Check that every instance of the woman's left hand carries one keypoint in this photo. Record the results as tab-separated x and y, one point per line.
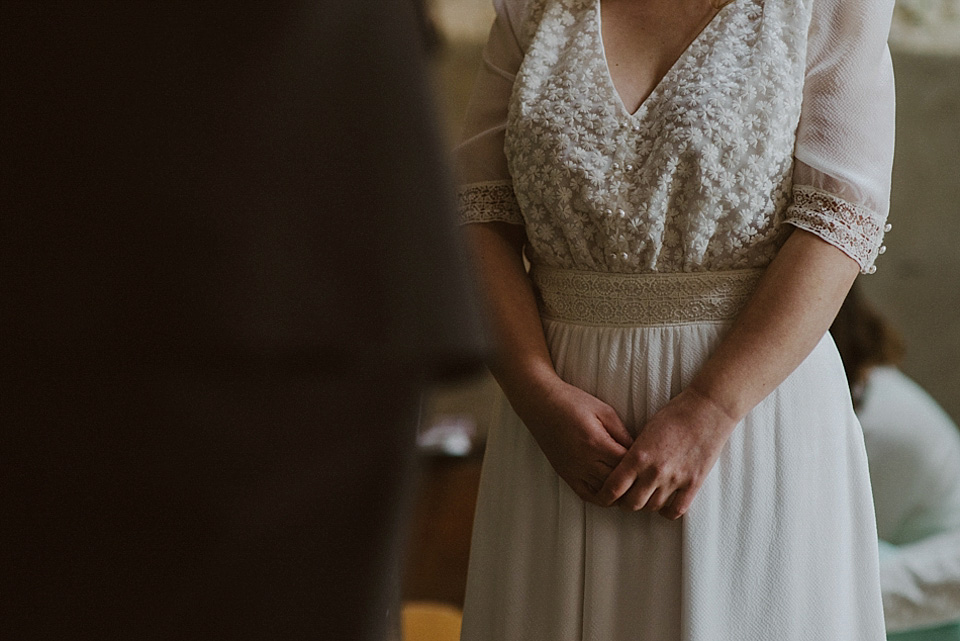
670	458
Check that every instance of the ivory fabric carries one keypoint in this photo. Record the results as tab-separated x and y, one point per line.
780	543
779	114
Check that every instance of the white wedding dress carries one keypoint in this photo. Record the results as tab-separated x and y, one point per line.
647	233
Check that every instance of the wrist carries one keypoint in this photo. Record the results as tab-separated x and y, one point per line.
523	383
724	411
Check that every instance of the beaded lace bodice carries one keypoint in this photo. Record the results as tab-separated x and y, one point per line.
699	178
692	181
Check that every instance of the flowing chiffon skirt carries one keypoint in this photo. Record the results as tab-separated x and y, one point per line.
779	545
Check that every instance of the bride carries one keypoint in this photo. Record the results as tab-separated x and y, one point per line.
696	186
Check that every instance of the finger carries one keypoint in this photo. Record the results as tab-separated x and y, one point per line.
606	449
584	491
615	428
637	496
606	466
595	481
609	458
588	494
680	504
618	482
602	469
658	500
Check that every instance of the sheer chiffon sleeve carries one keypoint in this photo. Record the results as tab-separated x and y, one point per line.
844	149
486	189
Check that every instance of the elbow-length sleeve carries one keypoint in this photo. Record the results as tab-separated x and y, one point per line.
486	189
844	149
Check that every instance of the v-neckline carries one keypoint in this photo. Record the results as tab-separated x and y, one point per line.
617	96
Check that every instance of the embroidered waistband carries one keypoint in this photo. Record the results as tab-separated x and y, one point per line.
629	300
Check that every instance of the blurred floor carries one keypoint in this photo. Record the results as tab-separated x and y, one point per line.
439	543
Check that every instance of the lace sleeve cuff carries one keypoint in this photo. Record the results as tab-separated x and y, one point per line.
488	202
853	229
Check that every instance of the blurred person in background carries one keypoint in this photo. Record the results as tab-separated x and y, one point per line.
228	268
913	449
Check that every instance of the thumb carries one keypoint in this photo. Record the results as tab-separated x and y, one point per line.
615	428
618	482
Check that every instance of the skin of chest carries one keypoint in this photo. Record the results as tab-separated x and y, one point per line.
642	39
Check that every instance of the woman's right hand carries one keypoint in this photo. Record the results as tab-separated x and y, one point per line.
581	436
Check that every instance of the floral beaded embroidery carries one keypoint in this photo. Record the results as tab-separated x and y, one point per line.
699	178
694	180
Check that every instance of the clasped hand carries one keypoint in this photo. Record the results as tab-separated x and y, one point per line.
661	469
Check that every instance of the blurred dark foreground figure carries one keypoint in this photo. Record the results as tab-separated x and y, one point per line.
227	270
